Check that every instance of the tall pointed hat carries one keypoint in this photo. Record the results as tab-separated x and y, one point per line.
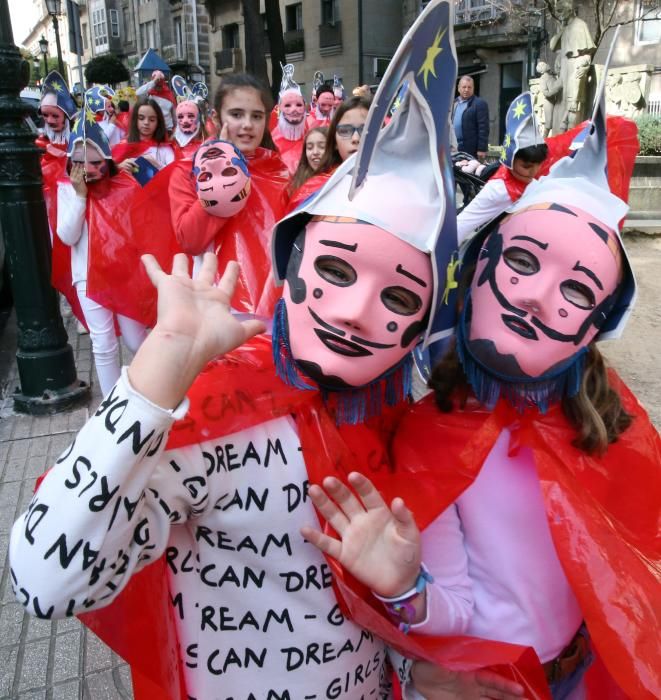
86	130
288	84
55	92
401	177
521	129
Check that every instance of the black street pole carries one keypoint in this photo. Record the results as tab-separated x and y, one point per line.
46	369
60	63
45	65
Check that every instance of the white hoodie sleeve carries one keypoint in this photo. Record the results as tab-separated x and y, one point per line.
70	214
106	507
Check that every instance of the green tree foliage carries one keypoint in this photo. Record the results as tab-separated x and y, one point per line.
107	70
649	135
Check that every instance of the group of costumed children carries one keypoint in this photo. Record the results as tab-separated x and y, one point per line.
256	509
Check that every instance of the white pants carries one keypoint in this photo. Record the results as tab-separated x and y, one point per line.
101	322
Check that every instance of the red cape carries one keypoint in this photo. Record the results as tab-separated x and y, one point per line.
290	151
622	146
187	151
113	262
603	513
184	226
308	188
133	149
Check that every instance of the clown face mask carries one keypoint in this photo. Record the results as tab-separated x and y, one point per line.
188	118
292	107
357	298
544	284
325	103
221	177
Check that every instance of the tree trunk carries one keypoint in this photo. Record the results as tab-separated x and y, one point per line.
277	44
255	50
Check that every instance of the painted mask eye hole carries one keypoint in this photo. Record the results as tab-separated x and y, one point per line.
578	294
204	177
229	172
335	270
521	261
401	301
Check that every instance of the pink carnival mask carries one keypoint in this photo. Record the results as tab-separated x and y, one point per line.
544	284
356	299
54	117
292	107
188	117
325	103
221	177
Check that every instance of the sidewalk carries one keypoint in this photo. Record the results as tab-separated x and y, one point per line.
41	659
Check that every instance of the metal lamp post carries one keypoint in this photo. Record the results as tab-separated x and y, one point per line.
53	7
46	368
43	47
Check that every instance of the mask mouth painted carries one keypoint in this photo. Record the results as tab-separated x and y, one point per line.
518	325
341	346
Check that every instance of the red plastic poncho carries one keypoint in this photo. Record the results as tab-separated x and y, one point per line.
113	263
604	515
290	151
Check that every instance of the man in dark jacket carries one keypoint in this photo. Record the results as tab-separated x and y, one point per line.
470	119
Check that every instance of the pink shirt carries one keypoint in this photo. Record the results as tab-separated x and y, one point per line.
507	583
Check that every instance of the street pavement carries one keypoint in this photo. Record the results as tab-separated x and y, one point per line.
61	659
42	659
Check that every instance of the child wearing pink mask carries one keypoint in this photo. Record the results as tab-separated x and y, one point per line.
238	599
542	456
189	132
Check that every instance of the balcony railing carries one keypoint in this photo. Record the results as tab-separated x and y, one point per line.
330	35
294	41
469	11
229	60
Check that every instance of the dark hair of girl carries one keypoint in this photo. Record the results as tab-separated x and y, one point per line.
331	157
595	412
533	154
304	171
160	135
236	81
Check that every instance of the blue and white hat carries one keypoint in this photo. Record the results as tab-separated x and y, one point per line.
55	93
401	178
86	130
96	97
521	129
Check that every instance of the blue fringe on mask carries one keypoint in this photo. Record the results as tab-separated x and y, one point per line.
351	406
541	392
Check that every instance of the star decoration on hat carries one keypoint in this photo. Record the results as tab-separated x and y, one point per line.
507	141
89	116
432	52
450	278
56	86
519	109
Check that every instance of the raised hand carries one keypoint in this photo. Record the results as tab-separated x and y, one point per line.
379	545
436	683
194	325
77	177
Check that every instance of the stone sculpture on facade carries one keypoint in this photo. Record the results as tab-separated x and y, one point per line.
550	90
575	47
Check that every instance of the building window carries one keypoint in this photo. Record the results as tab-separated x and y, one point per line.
648	25
330	12
294	17
83	32
178	37
148	34
128	25
114	23
231	36
99	29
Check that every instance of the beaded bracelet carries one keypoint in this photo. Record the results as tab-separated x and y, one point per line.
401	608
